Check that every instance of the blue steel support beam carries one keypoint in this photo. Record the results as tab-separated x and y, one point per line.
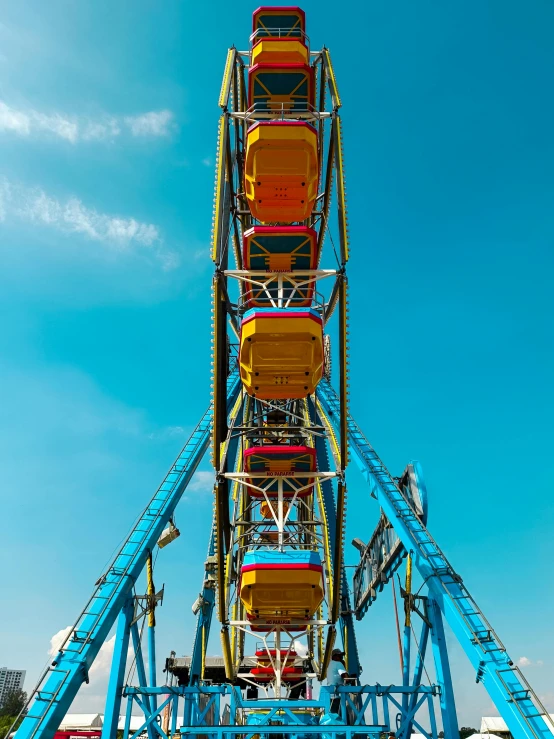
205	614
141	674
517	703
442	672
418	670
406	648
152	662
117	673
61	681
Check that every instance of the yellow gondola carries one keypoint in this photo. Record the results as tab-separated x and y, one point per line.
281	352
281	584
281	170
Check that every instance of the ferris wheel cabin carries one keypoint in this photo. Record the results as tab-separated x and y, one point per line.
287	584
278	463
281	171
280	249
281	352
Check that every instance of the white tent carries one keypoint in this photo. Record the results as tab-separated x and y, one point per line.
81	722
496	726
493	725
484	736
136	723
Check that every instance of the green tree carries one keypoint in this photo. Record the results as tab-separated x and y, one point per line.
13	703
466	731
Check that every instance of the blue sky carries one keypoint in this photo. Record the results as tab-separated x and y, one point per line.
108	115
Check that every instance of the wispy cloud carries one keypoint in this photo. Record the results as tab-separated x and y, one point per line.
168	432
151	124
101	666
33	205
82	128
202	482
526	662
57	640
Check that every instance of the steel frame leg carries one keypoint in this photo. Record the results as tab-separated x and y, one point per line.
141	674
117	672
406	649
152	665
418	671
442	670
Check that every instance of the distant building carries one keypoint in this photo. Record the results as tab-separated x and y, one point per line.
10	680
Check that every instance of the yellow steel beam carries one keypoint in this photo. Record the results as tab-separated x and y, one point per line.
341	191
150	592
226	82
343	356
328	652
331	78
226	649
220	160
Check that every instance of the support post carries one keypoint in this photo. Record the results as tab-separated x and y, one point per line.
151	592
141	674
418	670
407	635
406	648
117	673
442	670
128	714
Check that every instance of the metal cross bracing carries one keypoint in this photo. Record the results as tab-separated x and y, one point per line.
280	511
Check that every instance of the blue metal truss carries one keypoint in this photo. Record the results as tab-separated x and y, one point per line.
519	706
61	681
371	710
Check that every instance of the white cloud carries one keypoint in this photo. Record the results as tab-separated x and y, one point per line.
100	668
56	124
107	129
526	662
14	120
151	124
169	432
57	640
73	217
301	649
202	482
4	197
75	128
